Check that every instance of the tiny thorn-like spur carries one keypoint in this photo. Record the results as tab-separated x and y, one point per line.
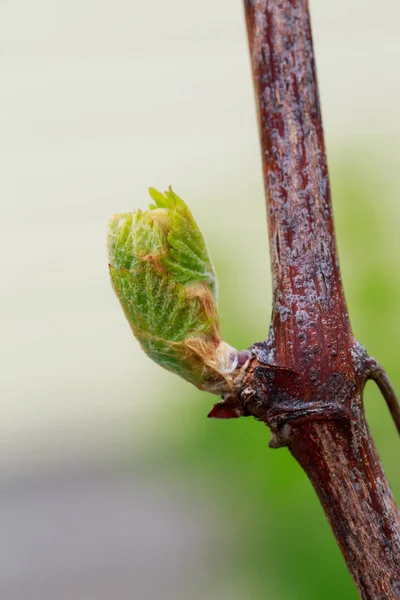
378	374
225	409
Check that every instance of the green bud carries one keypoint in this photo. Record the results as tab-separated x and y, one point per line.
166	283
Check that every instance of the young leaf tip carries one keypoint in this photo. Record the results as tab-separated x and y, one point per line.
165	281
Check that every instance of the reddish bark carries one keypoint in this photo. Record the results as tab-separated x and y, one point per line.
306	381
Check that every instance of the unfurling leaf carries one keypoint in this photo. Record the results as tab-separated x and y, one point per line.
165	280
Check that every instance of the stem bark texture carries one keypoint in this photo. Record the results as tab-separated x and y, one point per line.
306	381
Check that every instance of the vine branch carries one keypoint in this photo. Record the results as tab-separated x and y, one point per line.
306	381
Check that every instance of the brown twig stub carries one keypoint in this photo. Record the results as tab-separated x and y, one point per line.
306	381
378	374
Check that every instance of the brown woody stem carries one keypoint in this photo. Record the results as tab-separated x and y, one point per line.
307	379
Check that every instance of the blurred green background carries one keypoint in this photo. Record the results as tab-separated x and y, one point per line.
113	484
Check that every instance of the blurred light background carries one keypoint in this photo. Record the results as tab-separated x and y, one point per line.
113	484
